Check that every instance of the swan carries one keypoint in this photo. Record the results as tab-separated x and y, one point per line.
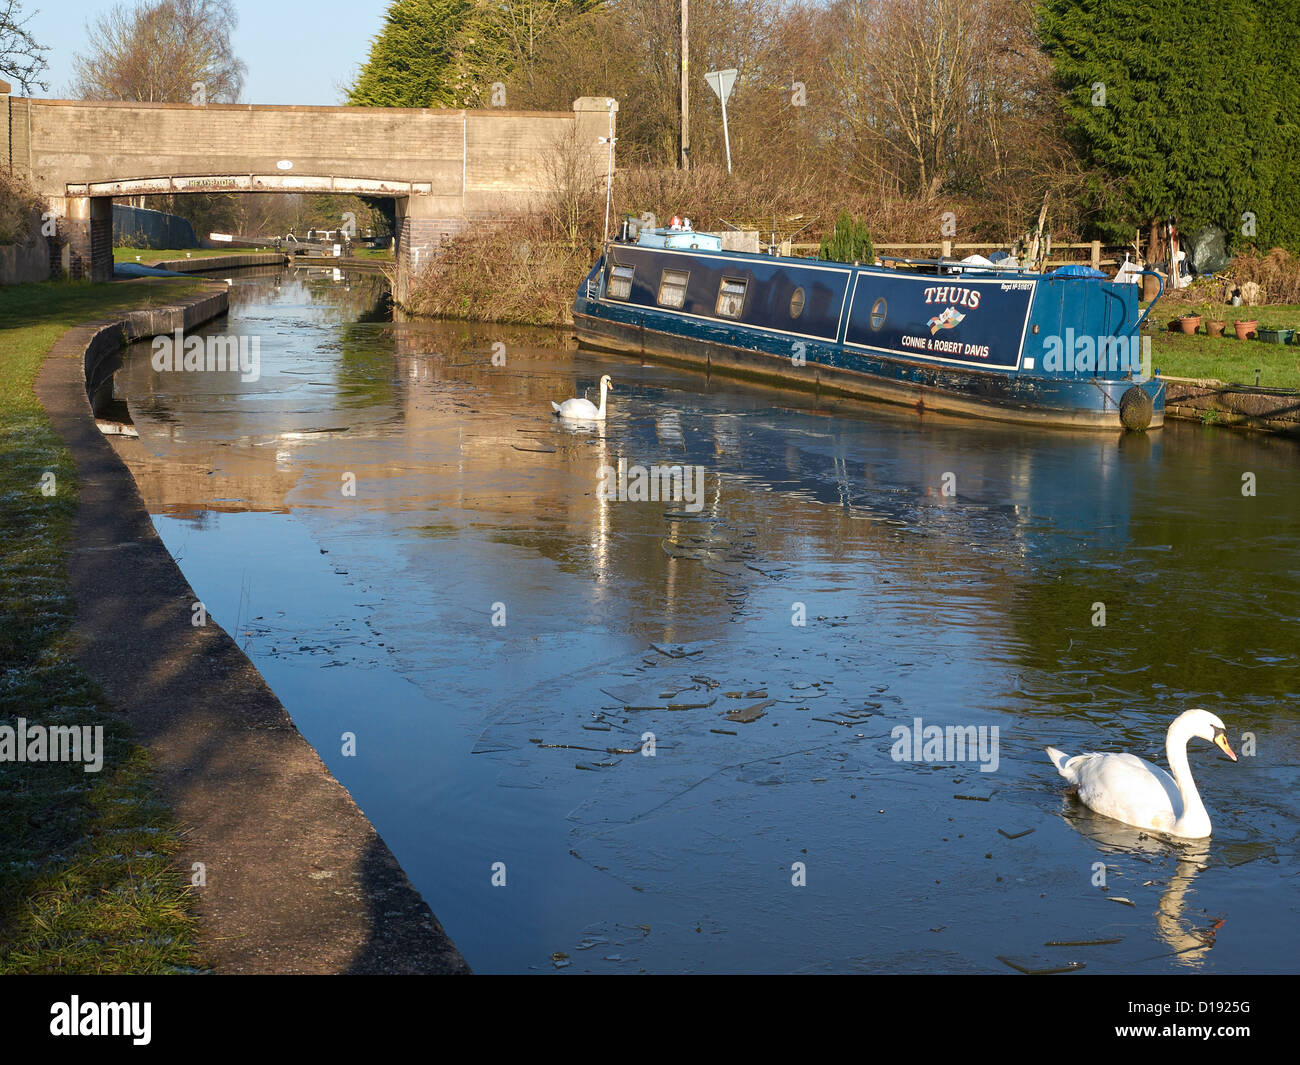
1132	790
583	409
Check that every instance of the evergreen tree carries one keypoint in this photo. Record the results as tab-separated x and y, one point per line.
450	53
1183	108
848	242
433	53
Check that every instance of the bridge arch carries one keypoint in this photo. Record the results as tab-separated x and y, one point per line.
443	167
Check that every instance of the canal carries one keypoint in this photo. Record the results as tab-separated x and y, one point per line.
612	735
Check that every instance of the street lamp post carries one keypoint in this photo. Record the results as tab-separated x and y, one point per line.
609	170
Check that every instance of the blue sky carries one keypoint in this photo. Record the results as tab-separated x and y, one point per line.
324	41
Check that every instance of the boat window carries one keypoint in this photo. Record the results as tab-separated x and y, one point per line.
796	303
878	311
620	282
731	297
672	288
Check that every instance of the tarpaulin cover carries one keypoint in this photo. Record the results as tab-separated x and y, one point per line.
1209	250
1077	270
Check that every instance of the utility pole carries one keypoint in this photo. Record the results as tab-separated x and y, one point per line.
686	88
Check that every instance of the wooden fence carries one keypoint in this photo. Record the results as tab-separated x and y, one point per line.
946	248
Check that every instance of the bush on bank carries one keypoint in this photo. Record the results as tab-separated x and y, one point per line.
20	209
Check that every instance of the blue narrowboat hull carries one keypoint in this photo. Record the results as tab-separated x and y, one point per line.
1045	349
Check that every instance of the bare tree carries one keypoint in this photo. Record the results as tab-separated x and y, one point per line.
950	97
631	49
904	76
21	57
158	51
896	109
166	51
574	188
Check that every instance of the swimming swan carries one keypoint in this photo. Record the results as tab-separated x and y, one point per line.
583	409
1132	790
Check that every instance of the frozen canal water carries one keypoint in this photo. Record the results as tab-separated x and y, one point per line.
502	642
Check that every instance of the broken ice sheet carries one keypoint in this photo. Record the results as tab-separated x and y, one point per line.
635	696
747	715
1039	966
681	650
1235	854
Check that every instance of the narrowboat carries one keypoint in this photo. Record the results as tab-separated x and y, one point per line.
1057	349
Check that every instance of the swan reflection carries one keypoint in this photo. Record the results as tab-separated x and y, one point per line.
1188	942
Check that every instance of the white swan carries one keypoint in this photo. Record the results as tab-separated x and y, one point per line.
583	409
1132	790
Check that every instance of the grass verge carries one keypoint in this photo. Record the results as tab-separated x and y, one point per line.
88	882
1228	359
153	255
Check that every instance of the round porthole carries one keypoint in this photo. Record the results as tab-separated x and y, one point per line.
796	303
878	311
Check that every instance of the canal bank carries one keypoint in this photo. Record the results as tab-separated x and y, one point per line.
1238	406
212	263
294	877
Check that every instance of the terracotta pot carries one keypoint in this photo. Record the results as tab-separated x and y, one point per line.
1189	323
1245	330
1215	328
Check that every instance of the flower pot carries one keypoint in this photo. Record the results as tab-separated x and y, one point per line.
1215	328
1275	336
1189	323
1244	330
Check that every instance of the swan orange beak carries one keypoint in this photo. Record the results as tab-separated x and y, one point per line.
1221	742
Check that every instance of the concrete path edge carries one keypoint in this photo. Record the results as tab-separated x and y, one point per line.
298	880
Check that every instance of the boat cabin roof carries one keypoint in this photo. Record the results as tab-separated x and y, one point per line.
679	238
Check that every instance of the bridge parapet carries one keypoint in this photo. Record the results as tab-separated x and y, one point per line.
442	166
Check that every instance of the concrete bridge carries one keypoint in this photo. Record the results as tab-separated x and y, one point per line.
442	167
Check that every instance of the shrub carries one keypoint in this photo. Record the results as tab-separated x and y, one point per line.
20	209
1277	272
848	242
512	271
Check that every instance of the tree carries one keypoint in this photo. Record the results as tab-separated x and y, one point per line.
952	97
631	50
21	57
524	25
848	242
1183	108
157	52
430	53
450	53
